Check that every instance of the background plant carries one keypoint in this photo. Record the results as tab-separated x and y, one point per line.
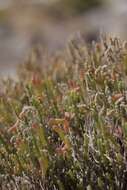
81	5
74	7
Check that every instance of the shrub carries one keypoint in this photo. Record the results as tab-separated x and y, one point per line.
65	127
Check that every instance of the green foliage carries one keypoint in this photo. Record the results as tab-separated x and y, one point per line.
65	127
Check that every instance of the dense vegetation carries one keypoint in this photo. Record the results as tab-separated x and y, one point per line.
64	126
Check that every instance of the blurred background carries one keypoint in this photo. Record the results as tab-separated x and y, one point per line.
50	23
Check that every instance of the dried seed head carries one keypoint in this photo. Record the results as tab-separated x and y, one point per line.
117	96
